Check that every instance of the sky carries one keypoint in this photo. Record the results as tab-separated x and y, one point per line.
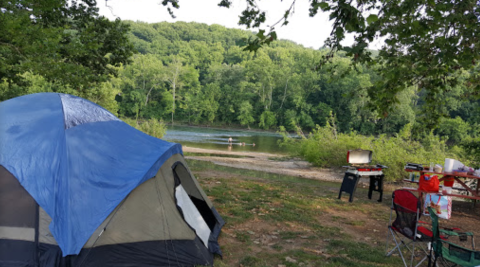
302	29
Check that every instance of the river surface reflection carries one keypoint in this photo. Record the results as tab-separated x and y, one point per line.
201	137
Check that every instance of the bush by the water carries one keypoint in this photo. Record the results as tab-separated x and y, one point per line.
153	127
324	147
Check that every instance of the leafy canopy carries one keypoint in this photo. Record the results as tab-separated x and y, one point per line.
65	42
426	41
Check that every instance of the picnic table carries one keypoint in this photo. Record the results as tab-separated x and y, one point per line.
458	177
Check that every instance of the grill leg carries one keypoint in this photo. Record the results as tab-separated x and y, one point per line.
356	180
380	187
376	184
371	187
349	185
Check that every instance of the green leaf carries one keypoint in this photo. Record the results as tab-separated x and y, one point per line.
260	34
372	18
273	36
324	6
225	3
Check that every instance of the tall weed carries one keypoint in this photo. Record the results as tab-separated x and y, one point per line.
324	147
153	127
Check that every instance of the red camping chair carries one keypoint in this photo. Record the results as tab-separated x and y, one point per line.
406	230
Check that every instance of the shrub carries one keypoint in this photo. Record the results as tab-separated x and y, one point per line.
325	148
267	120
153	127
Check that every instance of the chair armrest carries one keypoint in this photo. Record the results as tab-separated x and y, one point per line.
458	246
453	232
462	236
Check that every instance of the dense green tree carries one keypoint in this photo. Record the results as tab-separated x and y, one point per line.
245	113
454	128
140	82
281	82
172	76
190	96
261	80
66	42
426	41
231	83
206	106
268	120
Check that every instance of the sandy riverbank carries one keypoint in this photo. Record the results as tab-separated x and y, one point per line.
266	162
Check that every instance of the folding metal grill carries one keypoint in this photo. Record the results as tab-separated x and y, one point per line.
359	161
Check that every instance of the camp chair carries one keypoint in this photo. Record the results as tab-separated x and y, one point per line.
406	230
448	253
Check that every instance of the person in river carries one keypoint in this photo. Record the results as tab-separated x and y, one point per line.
253	144
230	140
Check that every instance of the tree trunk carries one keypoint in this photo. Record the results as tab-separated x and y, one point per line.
173	106
148	94
284	94
270	96
173	80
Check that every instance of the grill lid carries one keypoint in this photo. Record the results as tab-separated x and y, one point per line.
359	156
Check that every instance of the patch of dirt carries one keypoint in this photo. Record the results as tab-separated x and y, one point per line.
361	226
264	162
267	238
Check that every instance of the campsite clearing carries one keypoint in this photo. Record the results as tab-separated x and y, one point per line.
265	162
275	220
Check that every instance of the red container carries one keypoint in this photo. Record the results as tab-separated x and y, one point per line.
428	183
448	182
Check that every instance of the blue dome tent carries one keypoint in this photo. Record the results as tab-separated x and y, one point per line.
79	187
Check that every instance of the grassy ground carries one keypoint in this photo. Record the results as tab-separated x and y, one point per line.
274	220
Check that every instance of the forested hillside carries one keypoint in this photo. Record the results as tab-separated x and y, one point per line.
197	74
213	81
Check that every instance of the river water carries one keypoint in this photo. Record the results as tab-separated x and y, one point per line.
202	137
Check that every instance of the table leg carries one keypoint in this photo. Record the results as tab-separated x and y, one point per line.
476	185
467	188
